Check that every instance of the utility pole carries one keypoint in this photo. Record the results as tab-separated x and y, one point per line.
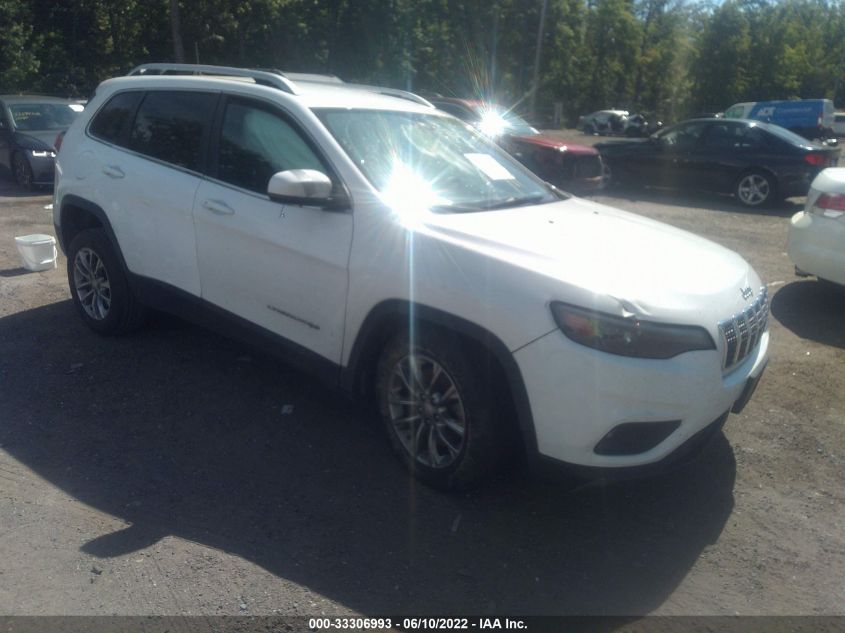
535	83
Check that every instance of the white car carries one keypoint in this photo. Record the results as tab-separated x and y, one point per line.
604	122
817	234
401	255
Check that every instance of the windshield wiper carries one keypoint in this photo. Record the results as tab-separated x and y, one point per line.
513	202
489	206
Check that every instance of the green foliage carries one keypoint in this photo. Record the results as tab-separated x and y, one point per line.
668	58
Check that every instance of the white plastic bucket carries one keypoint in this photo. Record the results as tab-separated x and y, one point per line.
38	251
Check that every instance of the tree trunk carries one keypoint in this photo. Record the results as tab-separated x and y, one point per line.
176	29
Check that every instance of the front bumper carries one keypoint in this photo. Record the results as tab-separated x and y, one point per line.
816	245
43	169
578	395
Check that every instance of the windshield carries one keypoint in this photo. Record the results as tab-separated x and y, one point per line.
432	160
43	116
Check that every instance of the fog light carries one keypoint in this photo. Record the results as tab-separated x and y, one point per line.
632	438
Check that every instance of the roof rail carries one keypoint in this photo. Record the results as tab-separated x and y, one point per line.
392	92
272	78
313	77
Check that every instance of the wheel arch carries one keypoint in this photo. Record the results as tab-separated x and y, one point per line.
391	316
77	214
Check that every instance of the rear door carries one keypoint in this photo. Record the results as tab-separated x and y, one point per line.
155	179
282	267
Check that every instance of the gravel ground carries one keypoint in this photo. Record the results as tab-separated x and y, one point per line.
162	474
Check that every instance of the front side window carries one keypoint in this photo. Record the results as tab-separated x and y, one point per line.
433	161
171	126
255	143
683	136
112	122
724	136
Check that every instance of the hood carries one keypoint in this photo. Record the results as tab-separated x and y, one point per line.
38	139
550	142
617	260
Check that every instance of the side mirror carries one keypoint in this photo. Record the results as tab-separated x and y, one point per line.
307	187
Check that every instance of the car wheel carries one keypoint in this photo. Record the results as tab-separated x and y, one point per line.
22	171
99	287
756	189
440	416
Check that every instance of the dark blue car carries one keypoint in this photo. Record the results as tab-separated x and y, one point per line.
29	127
757	162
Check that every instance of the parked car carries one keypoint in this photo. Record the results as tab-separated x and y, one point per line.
570	166
839	124
29	126
757	162
604	122
811	118
397	253
816	242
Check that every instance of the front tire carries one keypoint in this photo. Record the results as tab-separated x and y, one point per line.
440	416
756	189
99	286
22	171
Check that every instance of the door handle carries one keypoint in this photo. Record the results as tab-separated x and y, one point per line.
113	171
218	206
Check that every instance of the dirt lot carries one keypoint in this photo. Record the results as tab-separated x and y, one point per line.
159	474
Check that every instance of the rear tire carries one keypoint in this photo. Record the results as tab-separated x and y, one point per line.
441	417
756	189
99	287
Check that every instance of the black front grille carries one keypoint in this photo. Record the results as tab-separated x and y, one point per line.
742	332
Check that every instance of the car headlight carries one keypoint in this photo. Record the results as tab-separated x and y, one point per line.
628	336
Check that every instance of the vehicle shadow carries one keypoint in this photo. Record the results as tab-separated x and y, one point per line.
700	199
813	310
181	432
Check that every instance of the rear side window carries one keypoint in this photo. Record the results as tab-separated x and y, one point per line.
172	126
111	123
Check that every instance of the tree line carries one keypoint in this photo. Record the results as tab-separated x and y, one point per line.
668	58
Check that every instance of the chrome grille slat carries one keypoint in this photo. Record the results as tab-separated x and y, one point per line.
742	332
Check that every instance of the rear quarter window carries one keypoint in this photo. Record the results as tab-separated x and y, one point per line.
111	123
173	126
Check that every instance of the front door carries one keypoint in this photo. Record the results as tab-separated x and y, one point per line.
282	267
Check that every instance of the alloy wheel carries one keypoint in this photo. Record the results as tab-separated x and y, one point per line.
91	281
22	172
426	411
753	189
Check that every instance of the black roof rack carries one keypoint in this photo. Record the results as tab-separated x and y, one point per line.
272	78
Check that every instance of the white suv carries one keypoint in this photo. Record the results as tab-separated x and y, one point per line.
397	253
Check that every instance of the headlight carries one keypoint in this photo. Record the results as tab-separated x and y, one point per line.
37	153
628	336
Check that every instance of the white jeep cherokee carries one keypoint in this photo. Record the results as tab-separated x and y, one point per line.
390	248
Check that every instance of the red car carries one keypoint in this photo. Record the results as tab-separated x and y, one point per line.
571	167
